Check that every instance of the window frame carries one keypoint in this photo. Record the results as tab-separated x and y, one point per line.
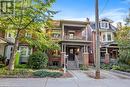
104	25
27	51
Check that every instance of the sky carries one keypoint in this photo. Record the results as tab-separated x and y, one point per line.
115	10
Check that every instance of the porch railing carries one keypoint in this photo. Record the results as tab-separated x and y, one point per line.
74	38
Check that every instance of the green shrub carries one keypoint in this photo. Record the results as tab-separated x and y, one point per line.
2	59
105	66
121	67
21	66
82	67
2	65
38	60
124	56
54	67
42	73
116	67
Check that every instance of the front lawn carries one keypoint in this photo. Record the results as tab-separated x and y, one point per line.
29	73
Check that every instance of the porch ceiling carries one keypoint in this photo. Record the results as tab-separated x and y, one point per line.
80	43
73	27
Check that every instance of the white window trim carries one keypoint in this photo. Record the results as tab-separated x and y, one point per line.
106	37
27	50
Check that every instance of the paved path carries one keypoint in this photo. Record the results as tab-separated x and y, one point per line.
79	80
79	75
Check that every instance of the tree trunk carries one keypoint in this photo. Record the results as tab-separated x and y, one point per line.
12	59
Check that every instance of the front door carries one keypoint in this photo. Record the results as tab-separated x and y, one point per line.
71	54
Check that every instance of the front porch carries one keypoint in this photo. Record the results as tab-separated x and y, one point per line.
78	53
109	54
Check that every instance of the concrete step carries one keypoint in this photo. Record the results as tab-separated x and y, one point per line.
72	65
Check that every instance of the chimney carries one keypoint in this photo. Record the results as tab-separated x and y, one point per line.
87	20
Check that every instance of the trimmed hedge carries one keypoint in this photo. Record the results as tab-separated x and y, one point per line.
43	73
38	60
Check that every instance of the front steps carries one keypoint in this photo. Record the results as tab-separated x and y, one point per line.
72	65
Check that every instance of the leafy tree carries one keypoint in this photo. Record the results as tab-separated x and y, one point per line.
128	19
31	16
123	40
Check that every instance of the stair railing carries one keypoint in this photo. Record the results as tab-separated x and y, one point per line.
77	61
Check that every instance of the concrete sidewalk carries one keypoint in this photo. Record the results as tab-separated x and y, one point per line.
80	79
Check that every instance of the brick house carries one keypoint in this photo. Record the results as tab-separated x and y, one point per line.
75	40
78	41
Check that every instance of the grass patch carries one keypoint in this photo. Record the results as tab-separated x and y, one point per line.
15	73
28	73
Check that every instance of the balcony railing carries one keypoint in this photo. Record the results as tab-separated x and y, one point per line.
74	38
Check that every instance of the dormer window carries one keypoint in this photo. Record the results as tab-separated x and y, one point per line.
104	25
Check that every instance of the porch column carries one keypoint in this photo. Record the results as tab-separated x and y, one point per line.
62	54
63	32
86	56
107	59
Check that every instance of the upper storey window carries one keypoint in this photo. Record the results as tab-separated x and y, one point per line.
56	34
104	25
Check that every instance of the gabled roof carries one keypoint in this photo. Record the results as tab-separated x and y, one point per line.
5	41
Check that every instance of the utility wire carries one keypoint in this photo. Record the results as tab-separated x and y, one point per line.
106	3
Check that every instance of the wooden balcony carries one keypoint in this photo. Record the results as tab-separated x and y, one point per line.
76	38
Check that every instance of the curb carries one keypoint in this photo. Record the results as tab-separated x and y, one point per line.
120	72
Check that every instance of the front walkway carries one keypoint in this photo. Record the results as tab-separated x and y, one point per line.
79	79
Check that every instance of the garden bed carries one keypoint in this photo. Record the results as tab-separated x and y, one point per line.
30	73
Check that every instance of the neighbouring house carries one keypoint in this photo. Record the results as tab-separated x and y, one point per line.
108	45
77	40
7	40
6	44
